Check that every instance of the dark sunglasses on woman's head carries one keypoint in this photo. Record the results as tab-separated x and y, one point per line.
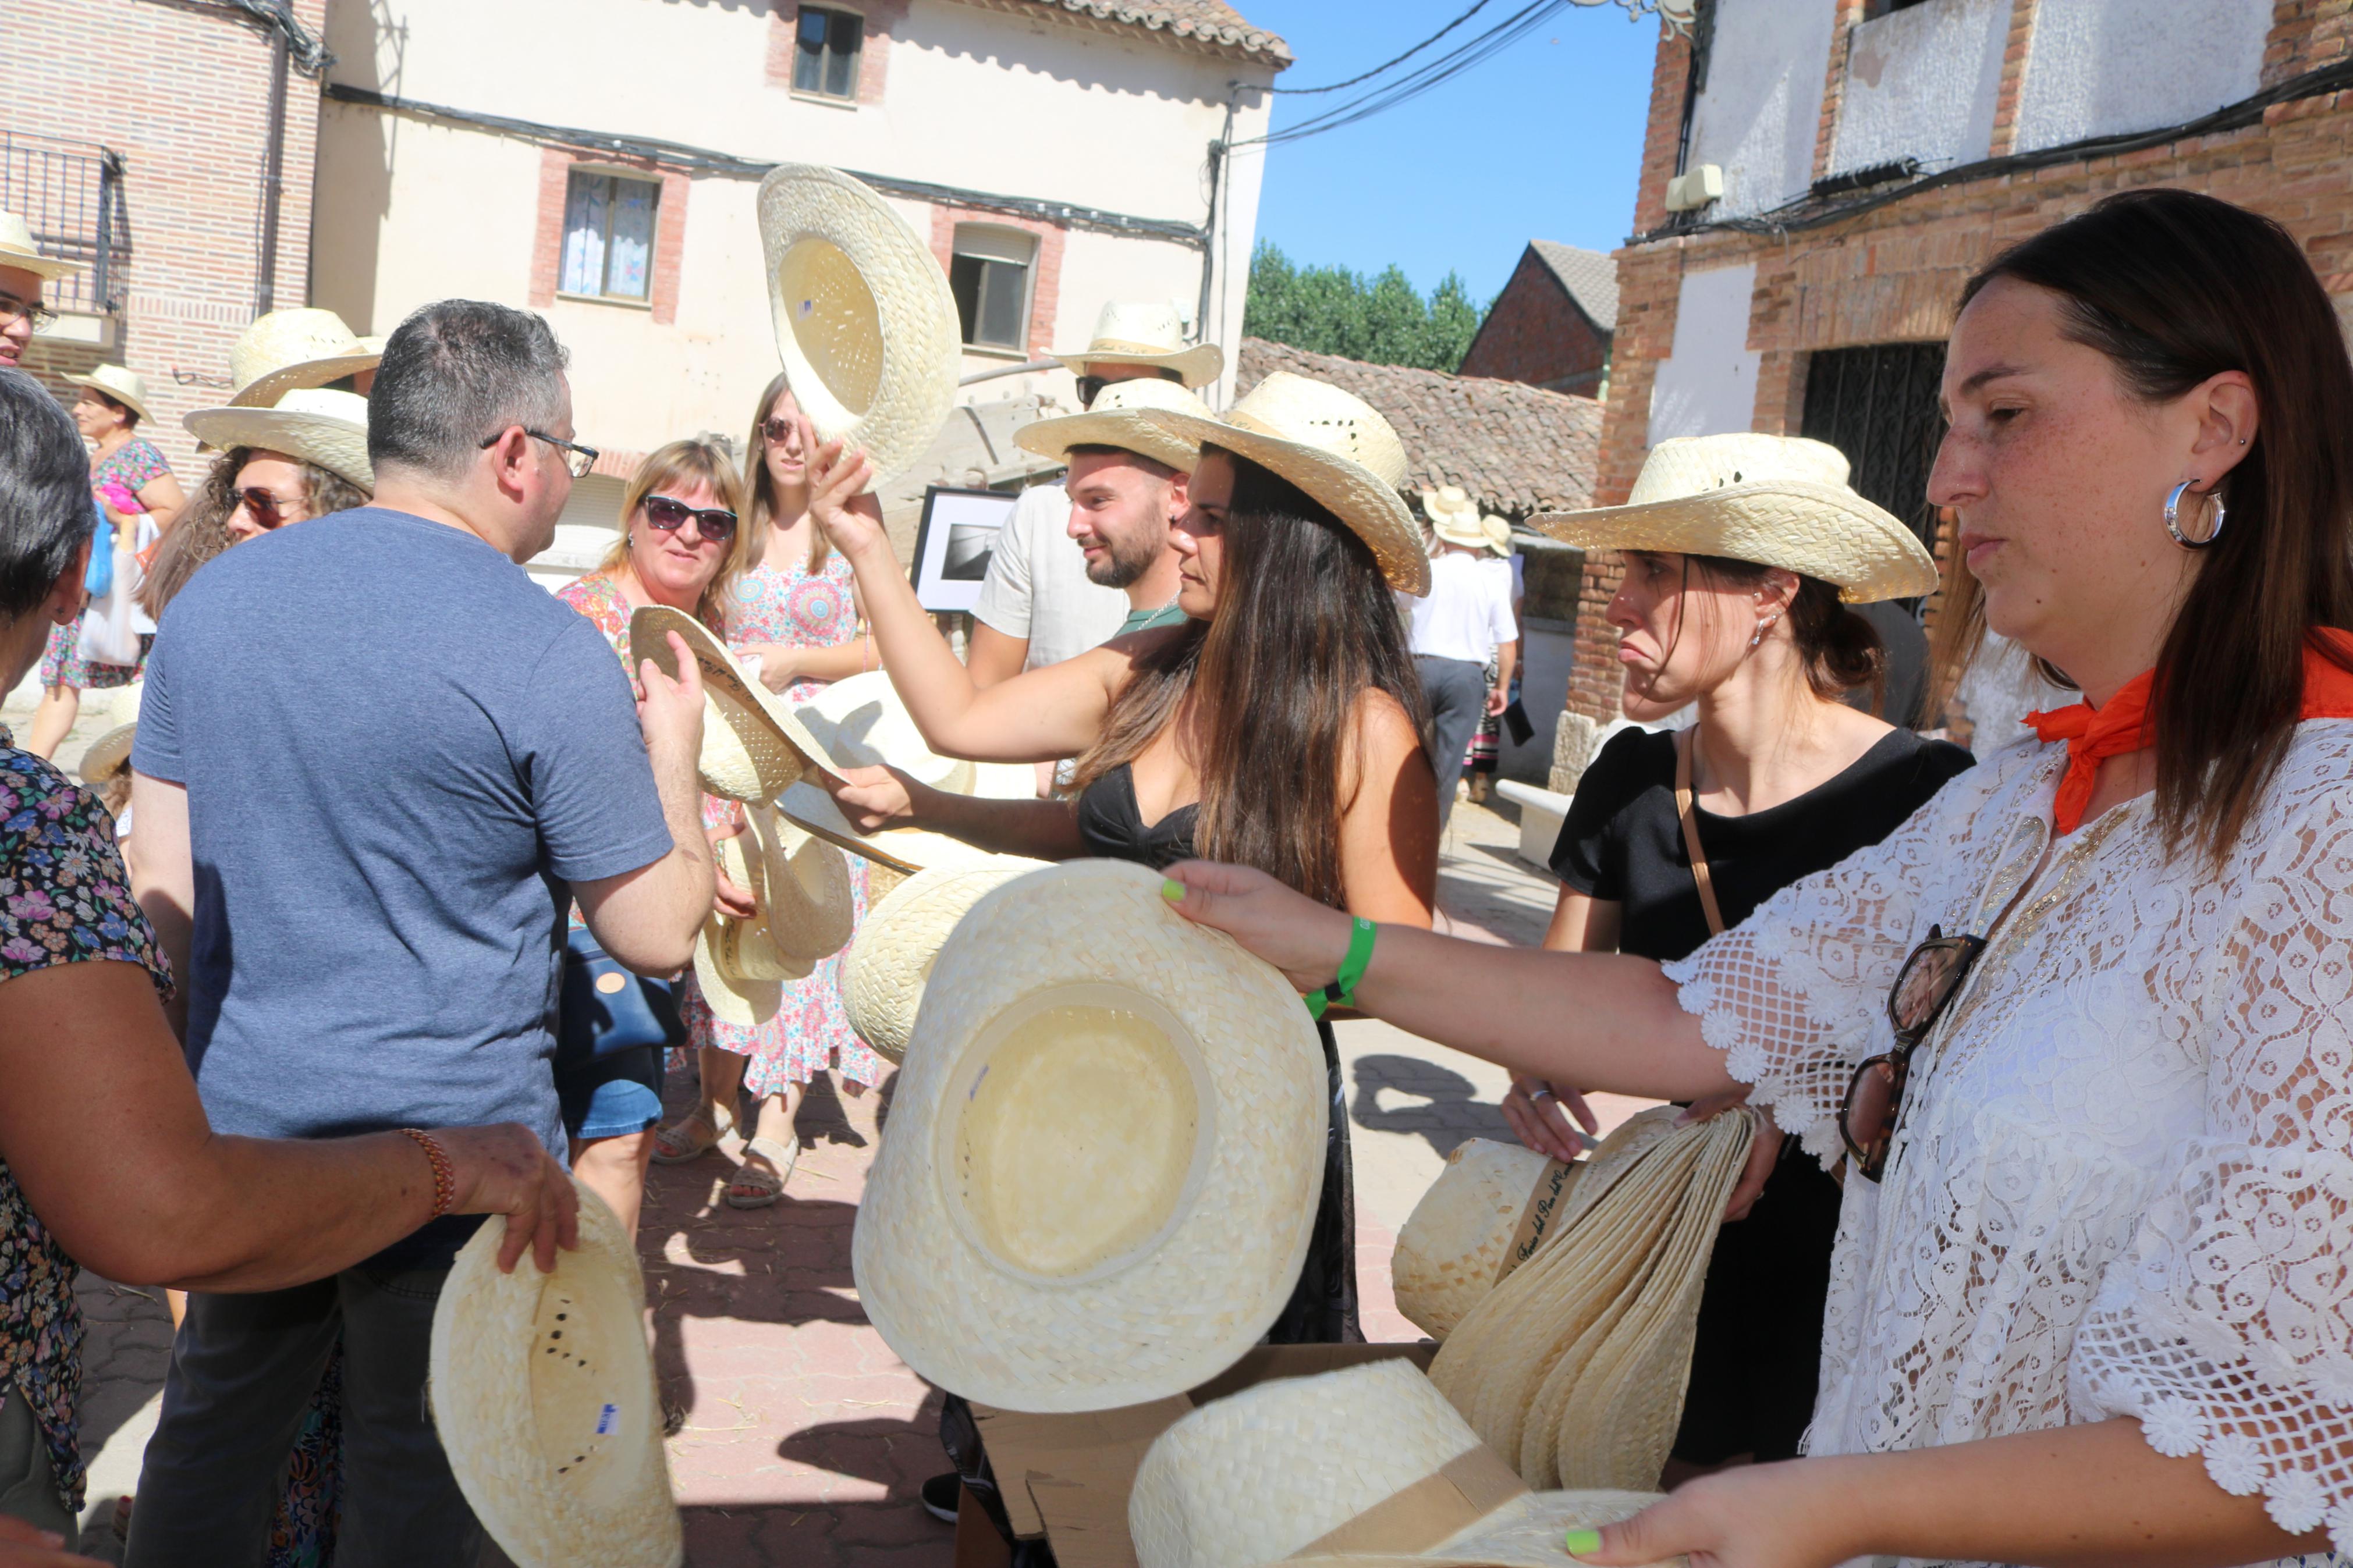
1875	1095
265	509
716	523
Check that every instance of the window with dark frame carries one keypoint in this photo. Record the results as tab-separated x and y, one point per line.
825	52
1874	9
1878	404
989	274
608	235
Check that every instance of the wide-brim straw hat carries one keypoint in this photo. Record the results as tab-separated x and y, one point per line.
118	382
1498	535
806	913
284	350
542	1396
1774	500
754	746
17	250
110	752
888	962
1366	1465
872	344
1492	1207
1115	420
314	424
1449	504
1145	331
1331	444
1105	1151
1574	1368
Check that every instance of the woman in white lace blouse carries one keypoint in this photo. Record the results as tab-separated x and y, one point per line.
2097	1305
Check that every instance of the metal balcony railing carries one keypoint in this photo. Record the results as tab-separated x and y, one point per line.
70	195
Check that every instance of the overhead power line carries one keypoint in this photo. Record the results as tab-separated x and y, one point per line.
1367	76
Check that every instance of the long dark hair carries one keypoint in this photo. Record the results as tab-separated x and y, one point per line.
1269	691
2176	288
760	487
201	532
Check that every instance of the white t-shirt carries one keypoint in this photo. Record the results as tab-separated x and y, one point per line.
1467	614
1038	587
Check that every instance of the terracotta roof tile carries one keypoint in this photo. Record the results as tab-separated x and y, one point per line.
1209	24
1518	449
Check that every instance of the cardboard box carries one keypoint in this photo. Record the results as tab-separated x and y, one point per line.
1066	1477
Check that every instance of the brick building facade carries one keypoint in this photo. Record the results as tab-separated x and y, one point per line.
1551	325
1851	245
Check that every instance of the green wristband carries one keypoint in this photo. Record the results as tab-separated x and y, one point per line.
1342	991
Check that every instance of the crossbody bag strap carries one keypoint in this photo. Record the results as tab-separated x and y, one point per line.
1689	812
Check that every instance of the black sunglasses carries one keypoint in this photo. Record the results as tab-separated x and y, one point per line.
1924	987
716	523
1091	387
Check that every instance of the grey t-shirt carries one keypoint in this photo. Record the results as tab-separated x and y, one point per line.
398	751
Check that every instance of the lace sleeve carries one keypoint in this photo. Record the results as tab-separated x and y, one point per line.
2227	1329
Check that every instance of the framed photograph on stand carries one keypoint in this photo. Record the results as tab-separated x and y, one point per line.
953	545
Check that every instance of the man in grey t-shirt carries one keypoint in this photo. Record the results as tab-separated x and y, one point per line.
375	763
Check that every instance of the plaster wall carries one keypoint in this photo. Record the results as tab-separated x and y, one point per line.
2098	68
1708	383
1762	108
1922	83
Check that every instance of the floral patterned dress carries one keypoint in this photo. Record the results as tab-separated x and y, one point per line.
133	465
64	898
787	604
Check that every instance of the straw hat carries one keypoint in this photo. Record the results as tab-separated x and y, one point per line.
1105	1151
1489	1211
284	350
1499	534
1574	1367
110	752
1331	444
542	1394
1778	500
314	424
754	747
1115	421
1366	1465
118	382
1145	331
17	250
801	885
1450	506
883	972
871	340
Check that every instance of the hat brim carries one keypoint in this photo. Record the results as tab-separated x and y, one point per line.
765	748
48	268
1372	510
263	392
904	849
1196	367
1527	1532
337	445
1182	1303
884	970
136	404
1815	530
597	1488
109	754
1125	428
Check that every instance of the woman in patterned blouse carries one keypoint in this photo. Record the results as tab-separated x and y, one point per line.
82	983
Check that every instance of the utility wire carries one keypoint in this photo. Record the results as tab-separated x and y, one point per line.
1367	76
1421	80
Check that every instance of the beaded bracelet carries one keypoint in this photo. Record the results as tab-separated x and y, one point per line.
1342	991
445	1180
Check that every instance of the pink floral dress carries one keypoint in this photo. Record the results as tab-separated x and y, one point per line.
811	1032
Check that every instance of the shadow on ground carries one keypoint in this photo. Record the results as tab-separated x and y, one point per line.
1451	1110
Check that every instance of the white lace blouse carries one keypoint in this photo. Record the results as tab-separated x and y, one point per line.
2124	1181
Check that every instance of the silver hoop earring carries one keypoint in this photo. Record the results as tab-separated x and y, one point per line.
2173	519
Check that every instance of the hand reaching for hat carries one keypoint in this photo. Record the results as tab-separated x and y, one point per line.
877	797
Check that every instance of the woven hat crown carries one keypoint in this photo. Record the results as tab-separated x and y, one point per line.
285	338
1318	414
1148	392
1684	465
1134	326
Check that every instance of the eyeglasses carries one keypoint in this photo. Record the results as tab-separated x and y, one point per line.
13	309
266	509
577	458
1924	987
1089	388
717	523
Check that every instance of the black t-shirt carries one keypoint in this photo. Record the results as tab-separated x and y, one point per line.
1622	842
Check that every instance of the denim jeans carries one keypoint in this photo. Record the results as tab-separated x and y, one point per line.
243	1371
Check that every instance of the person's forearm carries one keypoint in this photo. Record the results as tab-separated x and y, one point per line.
685	875
259	1213
1040	829
855	656
1508	659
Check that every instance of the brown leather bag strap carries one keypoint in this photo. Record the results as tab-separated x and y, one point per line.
1690	815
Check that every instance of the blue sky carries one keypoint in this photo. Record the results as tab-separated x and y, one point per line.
1544	141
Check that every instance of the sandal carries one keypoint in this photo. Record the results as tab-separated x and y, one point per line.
757	1186
682	1139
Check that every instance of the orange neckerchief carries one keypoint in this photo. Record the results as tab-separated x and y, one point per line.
2093	735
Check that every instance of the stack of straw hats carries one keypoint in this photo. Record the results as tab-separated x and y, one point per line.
1489	1211
543	1392
1365	1468
285	351
889	961
806	914
754	746
1574	1367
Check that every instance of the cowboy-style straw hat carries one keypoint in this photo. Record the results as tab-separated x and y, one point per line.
754	747
1104	1152
1331	444
110	752
1368	1466
1489	1211
888	962
118	382
17	250
1776	501
1454	517
868	332
1498	535
542	1394
1147	331
1115	421
314	424
801	885
283	350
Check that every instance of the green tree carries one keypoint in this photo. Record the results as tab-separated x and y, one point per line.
1381	320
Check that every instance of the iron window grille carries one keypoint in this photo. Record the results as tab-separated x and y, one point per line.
70	195
826	45
609	225
1878	405
988	273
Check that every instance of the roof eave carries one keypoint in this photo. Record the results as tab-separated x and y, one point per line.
1252	44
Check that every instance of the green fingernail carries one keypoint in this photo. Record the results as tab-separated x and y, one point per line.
1579	1542
1172	889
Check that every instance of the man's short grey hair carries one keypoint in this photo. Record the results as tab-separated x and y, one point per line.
456	373
46	510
